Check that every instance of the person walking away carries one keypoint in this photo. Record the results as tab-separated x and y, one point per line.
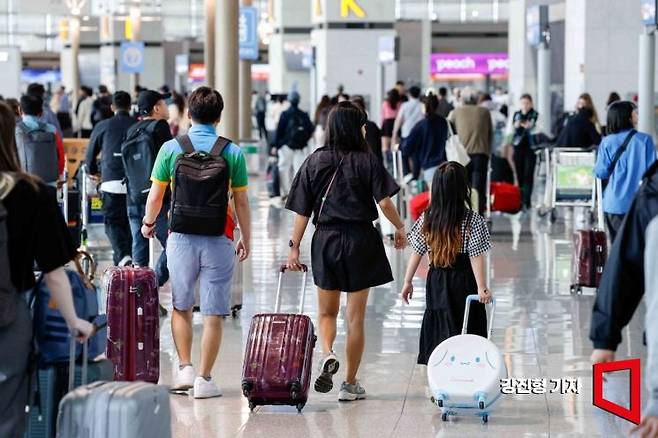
389	112
292	135
411	112
612	98
444	108
260	110
623	157
201	248
47	115
178	121
40	147
456	240
32	230
579	131
498	123
427	140
373	135
143	141
63	111
523	157
339	185
102	107
106	140
474	128
82	121
402	91
320	120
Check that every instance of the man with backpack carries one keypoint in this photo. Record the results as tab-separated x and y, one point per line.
292	135
138	151
200	246
40	147
106	140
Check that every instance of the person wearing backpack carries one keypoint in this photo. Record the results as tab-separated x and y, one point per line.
106	140
32	229
292	135
143	141
200	246
40	147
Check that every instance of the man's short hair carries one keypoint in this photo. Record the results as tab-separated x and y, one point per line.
443	91
400	83
414	91
35	89
121	100
205	105
31	105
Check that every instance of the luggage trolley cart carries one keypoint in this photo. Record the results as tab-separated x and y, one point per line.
571	181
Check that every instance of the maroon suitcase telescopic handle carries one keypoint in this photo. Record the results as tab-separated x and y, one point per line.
282	270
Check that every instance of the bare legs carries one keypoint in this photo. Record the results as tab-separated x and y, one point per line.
181	327
328	305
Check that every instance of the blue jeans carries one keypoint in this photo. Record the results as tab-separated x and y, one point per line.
141	244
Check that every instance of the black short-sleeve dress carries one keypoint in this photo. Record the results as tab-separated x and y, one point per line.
347	252
447	288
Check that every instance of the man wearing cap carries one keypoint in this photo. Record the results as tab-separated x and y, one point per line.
153	115
292	135
106	139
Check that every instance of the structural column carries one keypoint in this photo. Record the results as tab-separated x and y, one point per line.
74	32
135	27
209	42
425	51
544	87
245	93
227	59
646	81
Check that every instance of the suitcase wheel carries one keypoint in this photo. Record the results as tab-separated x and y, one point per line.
252	406
300	406
235	310
444	417
481	405
246	388
576	289
485	418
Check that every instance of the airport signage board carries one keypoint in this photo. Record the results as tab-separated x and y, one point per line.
469	63
353	11
536	23
131	57
248	33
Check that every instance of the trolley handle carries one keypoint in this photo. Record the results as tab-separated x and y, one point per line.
476	297
282	270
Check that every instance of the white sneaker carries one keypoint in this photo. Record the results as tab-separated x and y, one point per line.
184	379
206	389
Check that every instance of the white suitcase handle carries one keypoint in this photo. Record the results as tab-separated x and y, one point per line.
491	317
282	270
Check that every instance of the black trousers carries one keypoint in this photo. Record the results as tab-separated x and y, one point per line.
613	224
117	226
477	176
262	130
524	161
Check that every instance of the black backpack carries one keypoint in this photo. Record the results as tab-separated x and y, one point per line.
296	131
137	154
199	201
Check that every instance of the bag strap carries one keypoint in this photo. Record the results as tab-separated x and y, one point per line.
331	183
620	151
220	144
185	143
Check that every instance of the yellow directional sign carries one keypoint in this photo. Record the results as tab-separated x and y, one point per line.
351	5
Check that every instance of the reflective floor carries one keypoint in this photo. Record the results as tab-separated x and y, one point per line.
541	329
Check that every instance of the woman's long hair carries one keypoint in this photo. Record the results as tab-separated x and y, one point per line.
9	164
589	103
393	98
344	128
443	220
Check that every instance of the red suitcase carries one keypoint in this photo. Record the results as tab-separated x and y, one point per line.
133	326
590	254
419	204
279	355
505	197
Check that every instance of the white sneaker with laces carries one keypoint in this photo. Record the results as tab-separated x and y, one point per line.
206	388
184	378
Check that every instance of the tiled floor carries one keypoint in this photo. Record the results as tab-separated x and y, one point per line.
541	329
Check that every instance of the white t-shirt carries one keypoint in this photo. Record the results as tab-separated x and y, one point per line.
411	113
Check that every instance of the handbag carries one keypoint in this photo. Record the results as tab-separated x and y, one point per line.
455	150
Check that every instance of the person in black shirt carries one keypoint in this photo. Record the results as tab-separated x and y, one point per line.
524	122
106	139
579	131
154	113
339	185
373	133
36	232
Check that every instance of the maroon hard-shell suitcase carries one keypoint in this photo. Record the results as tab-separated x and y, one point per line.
279	355
590	254
133	326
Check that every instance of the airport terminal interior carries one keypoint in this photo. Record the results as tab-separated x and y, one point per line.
547	108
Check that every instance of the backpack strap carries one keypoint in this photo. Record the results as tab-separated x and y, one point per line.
220	144
185	143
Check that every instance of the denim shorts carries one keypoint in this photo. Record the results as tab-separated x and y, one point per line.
209	259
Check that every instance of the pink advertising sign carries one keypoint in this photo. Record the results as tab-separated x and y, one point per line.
469	63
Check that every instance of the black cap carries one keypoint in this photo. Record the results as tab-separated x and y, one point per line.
148	99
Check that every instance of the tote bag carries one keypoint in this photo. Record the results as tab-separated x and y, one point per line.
455	150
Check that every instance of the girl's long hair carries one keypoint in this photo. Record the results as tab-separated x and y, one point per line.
443	220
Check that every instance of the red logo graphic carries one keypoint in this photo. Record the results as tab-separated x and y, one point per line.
633	366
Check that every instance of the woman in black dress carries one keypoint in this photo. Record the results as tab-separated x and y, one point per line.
456	240
338	185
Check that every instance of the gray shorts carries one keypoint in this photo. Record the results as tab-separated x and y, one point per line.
209	259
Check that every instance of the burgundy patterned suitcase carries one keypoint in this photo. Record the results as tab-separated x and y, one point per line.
133	326
279	355
589	257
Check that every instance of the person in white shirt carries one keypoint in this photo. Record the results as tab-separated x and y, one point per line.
411	112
